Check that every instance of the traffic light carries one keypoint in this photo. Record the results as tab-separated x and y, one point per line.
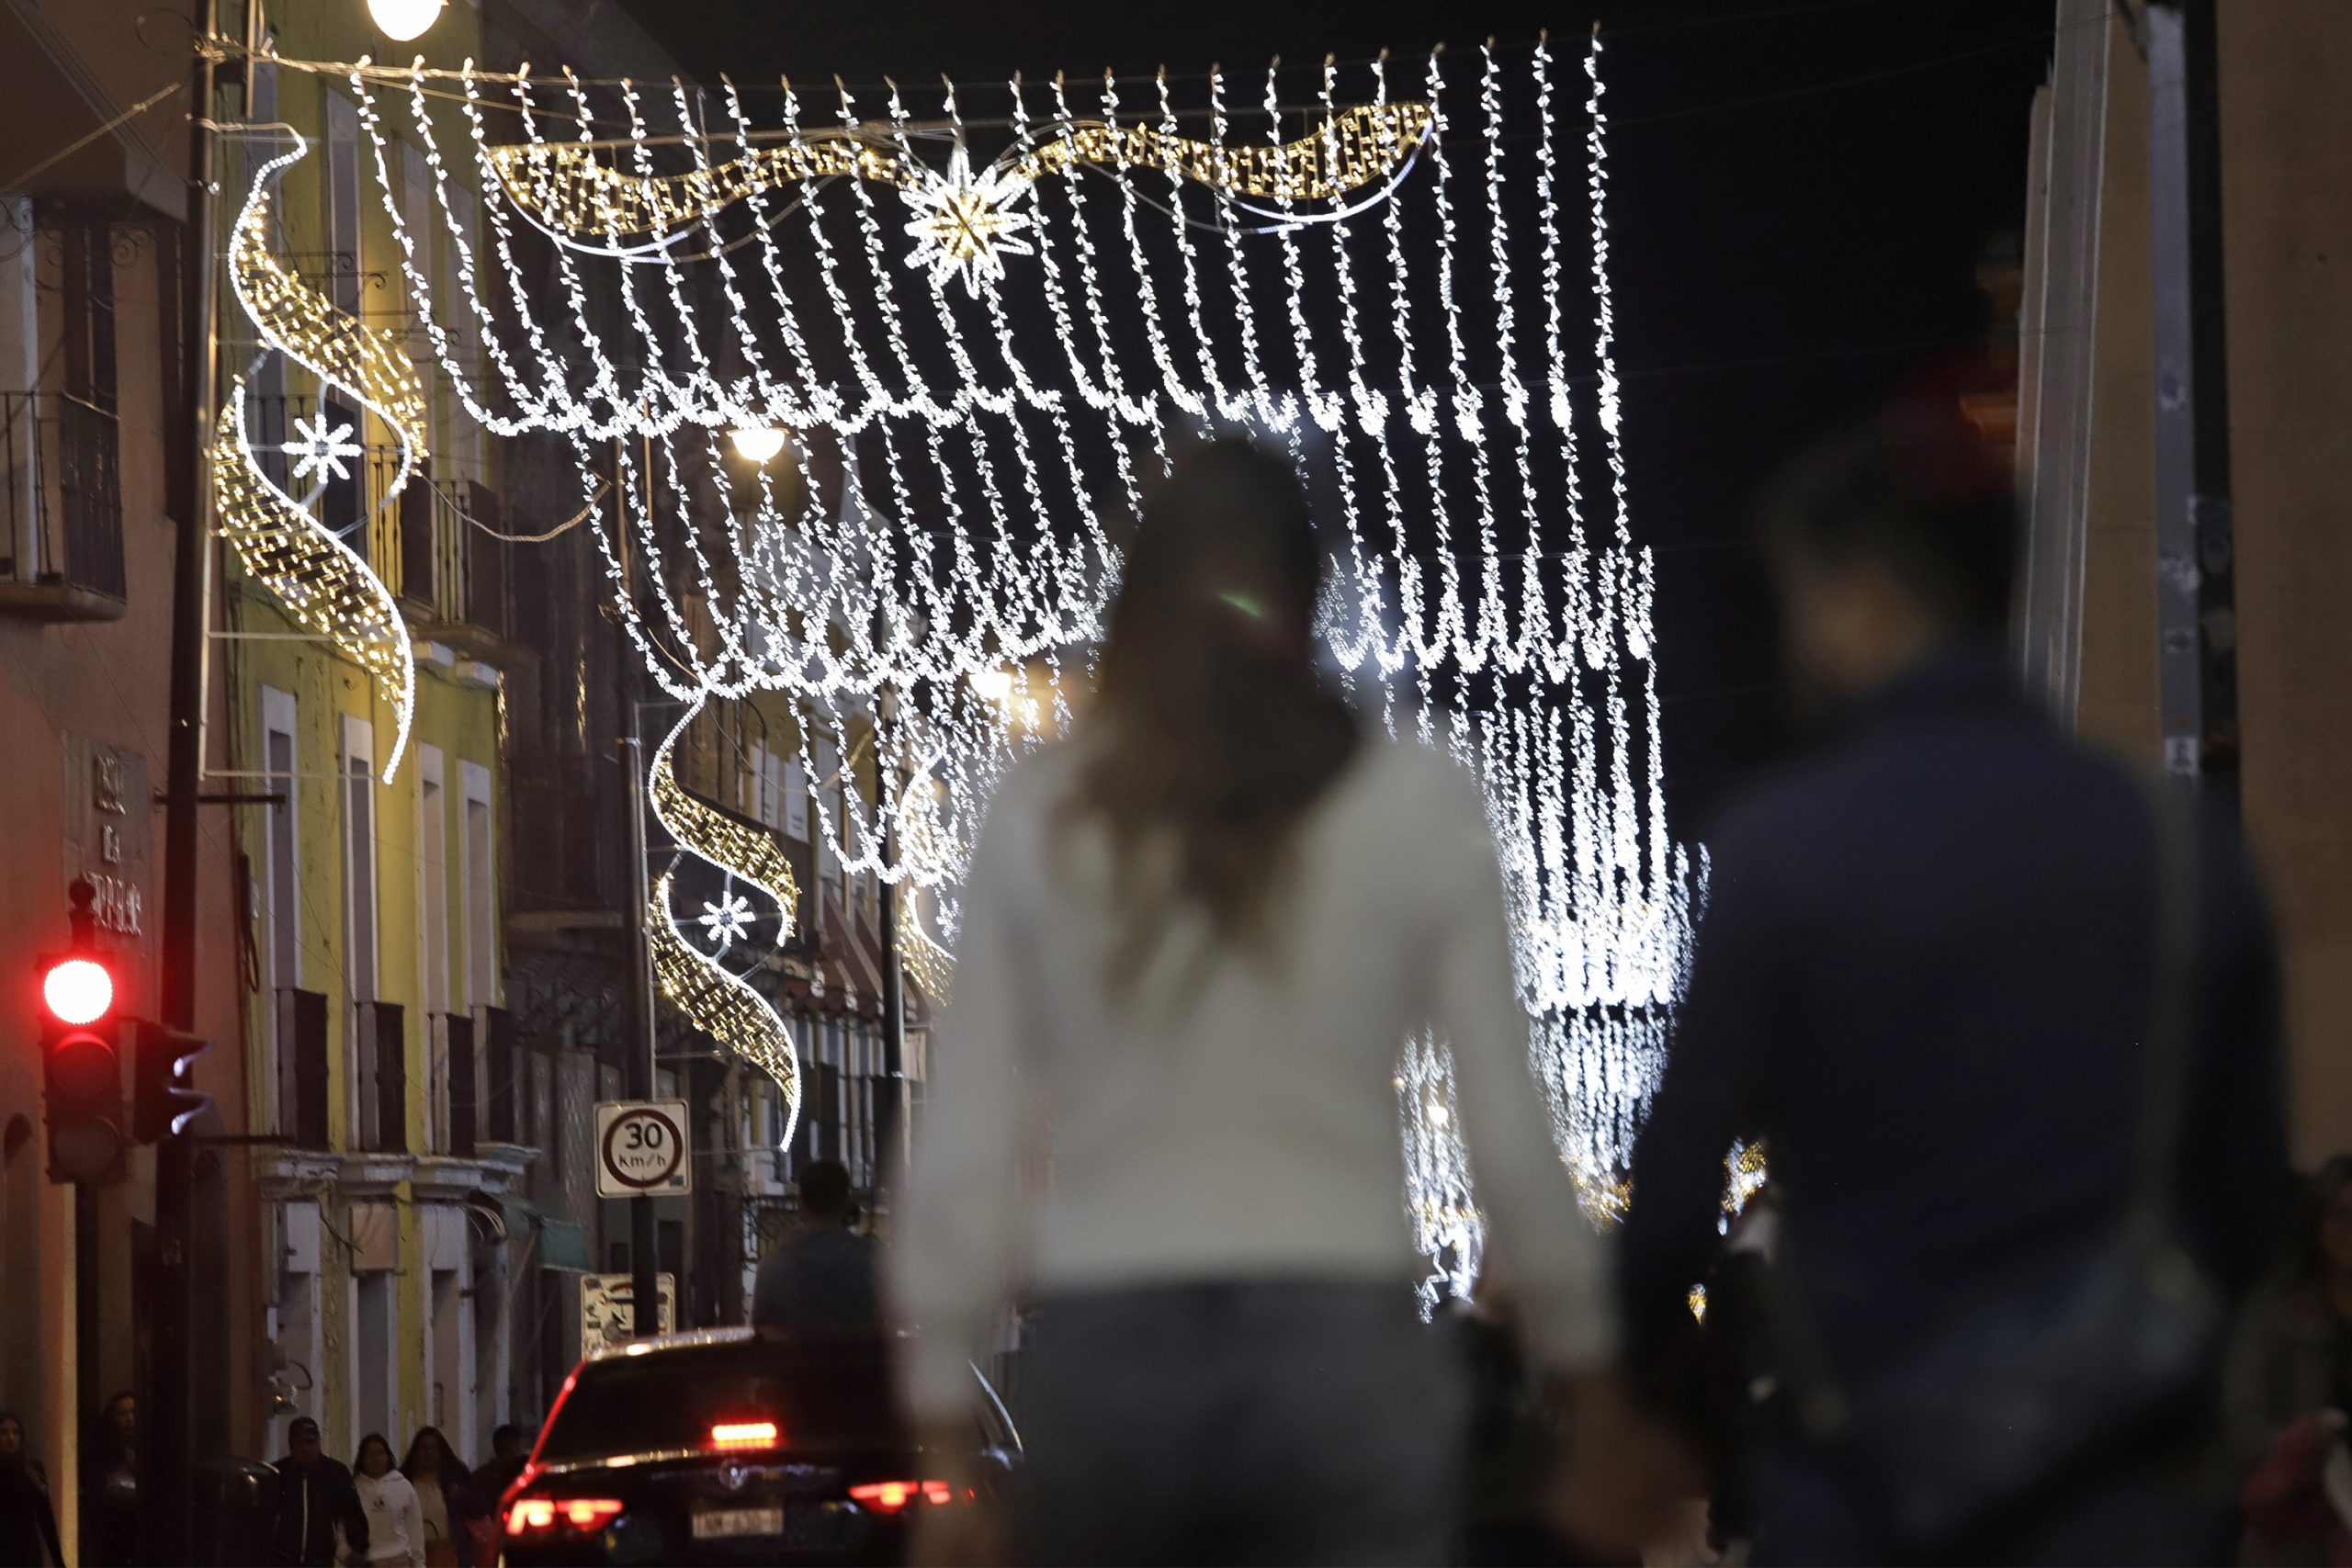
163	1096
82	1068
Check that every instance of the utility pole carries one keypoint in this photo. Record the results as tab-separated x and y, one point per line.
165	1414
2196	552
638	1044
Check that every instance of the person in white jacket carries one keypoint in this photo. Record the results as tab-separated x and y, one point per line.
395	1520
1196	937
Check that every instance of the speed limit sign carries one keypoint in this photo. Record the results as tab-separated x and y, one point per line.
642	1149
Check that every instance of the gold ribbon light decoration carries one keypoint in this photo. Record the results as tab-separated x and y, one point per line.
326	587
719	1003
965	220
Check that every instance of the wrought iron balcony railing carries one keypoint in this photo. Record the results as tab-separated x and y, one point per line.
61	508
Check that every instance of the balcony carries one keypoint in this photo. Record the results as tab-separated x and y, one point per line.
60	509
452	580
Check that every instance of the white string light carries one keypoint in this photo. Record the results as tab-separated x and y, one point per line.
980	551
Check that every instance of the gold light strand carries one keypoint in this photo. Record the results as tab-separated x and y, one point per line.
1362	143
752	853
340	348
324	586
569	189
931	965
722	1006
572	189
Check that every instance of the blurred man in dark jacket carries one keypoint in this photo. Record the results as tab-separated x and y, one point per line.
314	1496
823	1274
1925	973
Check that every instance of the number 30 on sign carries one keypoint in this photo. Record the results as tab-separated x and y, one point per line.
642	1149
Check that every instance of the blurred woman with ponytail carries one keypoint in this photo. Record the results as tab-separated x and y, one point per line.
1196	934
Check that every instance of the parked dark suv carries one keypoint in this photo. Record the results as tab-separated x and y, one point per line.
737	1445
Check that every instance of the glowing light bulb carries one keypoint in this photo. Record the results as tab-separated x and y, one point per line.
401	20
78	991
994	684
756	446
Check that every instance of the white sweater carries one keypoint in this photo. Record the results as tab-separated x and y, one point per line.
1238	1119
395	1518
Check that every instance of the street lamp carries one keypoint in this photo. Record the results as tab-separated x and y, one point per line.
401	20
756	445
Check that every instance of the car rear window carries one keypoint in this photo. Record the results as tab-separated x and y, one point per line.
820	1397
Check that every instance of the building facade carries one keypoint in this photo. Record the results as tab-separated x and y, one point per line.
2087	443
96	482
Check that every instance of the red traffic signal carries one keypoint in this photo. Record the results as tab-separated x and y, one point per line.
81	1068
77	990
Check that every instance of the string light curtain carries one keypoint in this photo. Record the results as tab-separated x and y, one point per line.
979	315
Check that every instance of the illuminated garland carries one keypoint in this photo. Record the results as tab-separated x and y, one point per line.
955	455
751	855
324	585
321	581
576	191
720	1005
1440	1202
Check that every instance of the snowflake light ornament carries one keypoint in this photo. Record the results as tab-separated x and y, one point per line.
965	223
727	921
319	449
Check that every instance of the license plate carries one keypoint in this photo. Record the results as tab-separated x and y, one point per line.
713	1523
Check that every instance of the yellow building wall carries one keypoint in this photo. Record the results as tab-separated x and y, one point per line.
460	718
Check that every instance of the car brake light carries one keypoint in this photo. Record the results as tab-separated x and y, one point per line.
561	1516
889	1497
744	1435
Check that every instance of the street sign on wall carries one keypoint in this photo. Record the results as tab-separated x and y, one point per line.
608	1310
642	1149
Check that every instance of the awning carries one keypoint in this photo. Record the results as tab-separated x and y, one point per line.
554	1243
564	1245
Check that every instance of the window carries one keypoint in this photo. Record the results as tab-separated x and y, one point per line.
481	910
359	787
829	832
463	438
795	799
359	857
281	868
433	935
90	314
417	220
376	1349
343	260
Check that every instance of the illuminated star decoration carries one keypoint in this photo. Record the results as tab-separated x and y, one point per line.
321	450
965	222
727	922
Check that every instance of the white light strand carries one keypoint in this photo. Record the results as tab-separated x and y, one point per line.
987	555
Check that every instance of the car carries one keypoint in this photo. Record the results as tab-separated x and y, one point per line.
740	1445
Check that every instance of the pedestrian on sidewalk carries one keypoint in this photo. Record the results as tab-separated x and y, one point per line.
510	1448
110	1485
822	1275
447	1495
395	1522
28	1514
317	1502
1986	994
1196	936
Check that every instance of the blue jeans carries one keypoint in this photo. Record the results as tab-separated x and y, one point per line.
1242	1422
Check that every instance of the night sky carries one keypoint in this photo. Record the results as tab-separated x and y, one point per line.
1801	192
